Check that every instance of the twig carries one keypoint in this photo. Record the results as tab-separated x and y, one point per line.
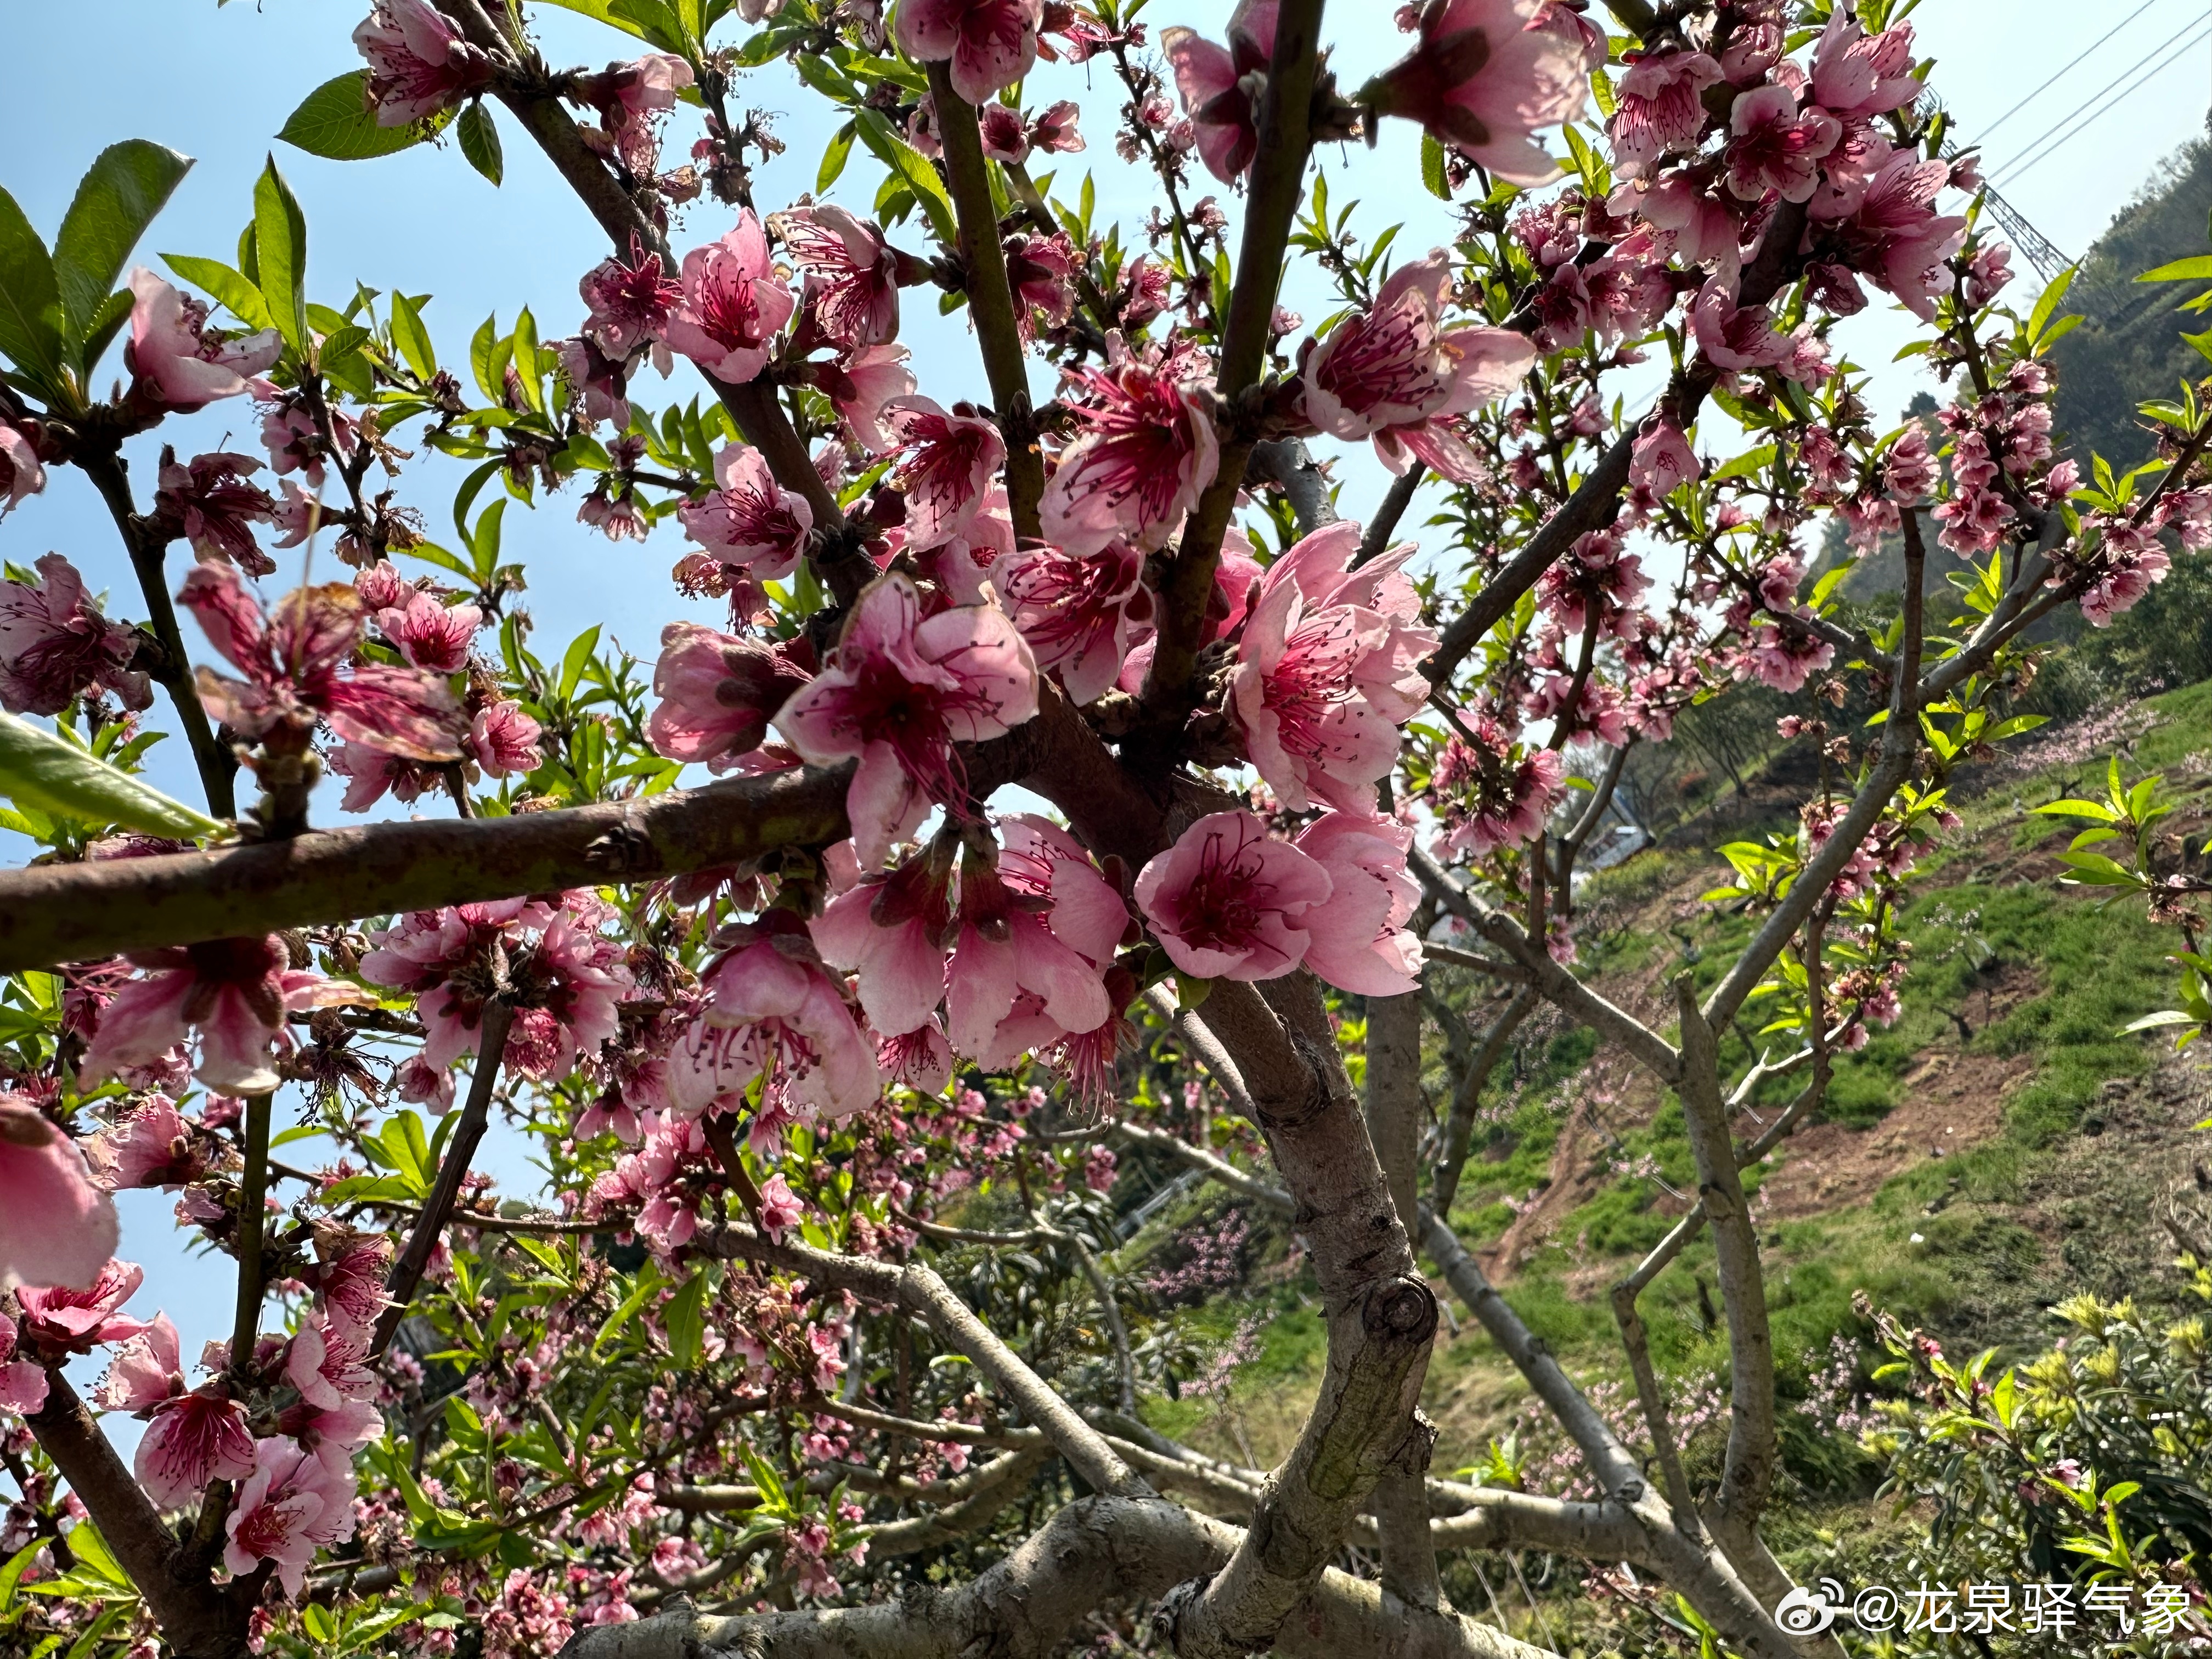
1384	523
253	1195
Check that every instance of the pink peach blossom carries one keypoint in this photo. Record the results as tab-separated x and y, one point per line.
780	1210
174	358
430	633
146	1371
1663	461
1145	452
750	521
778	1016
1660	109
1858	76
191	1439
733	304
418	64
1775	147
1228	901
56	1227
630	302
991	43
920	1059
863	387
22	475
900	692
1220	85
851	273
1080	616
1360	941
151	1147
503	739
209	501
894	932
298	669
78	1318
717	694
1001	951
947	461
1485	75
55	645
23	1383
292	1505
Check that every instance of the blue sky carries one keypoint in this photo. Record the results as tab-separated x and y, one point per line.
217	83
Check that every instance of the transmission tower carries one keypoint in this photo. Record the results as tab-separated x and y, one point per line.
2038	249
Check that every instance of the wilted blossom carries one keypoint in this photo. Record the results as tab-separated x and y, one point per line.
298	669
1221	86
1482	79
55	645
733	304
1145	452
1395	375
294	1504
1080	616
947	460
152	1146
1660	108
22	475
432	636
898	694
750	519
1490	799
234	992
718	693
1326	671
562	977
851	273
778	1016
418	63
990	44
176	359
209	503
56	1226
1228	901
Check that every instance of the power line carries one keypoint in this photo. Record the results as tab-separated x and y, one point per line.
2012	171
2055	79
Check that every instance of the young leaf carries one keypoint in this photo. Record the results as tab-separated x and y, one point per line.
2195	269
1432	167
280	242
840	150
479	137
30	302
334	121
115	201
38	768
411	338
231	289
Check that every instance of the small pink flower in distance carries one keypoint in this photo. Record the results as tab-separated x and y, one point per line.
1145	452
292	1505
863	387
173	357
893	930
1098	1169
717	694
1395	375
1360	941
22	475
1005	137
234	993
55	645
900	692
1774	147
1858	76
992	44
1785	661
23	1383
1221	85
151	1147
777	1016
504	740
630	303
750	519
418	63
851	273
432	636
212	504
296	668
733	304
1488	798
1227	902
1661	108
781	1209
1663	461
56	1226
146	1371
1485	75
78	1318
947	462
1080	616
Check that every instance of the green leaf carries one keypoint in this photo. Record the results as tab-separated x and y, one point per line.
38	768
1744	464
1432	167
685	1320
479	137
12	1574
113	313
30	302
280	242
839	151
411	338
2169	1017
234	290
334	121
2197	268
600	9
915	169
2046	307
115	201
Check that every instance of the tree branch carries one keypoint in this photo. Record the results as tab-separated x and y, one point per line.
1467	1097
1384	523
252	1217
